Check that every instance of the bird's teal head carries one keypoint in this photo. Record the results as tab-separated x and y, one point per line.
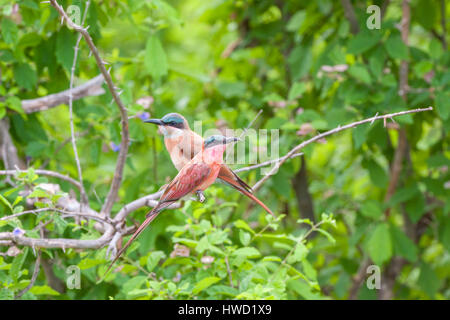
218	140
174	120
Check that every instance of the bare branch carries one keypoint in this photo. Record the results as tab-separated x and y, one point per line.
45	173
349	13
117	179
8	150
59	242
330	132
147	201
92	87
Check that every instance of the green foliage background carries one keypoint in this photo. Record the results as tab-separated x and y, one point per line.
174	51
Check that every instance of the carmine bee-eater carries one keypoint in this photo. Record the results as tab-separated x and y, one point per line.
183	144
197	175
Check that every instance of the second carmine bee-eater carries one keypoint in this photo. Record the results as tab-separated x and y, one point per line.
183	144
197	175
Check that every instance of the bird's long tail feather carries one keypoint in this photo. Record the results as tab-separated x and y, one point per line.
149	218
245	192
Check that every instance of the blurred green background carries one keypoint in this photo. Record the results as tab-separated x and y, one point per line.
310	66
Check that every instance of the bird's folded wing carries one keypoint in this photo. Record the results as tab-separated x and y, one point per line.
188	179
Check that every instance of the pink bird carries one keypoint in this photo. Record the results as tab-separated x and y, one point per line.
197	175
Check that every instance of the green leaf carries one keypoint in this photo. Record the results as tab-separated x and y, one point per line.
15	104
371	209
363	41
297	89
65	43
231	89
303	289
444	232
6	202
299	254
327	234
379	245
428	280
155	58
435	49
204	284
403	194
395	47
248	252
153	259
426	13
435	161
134	283
44	290
6	294
244	237
60	223
310	272
421	68
39	193
89	263
296	21
9	31
415	207
360	135
241	224
25	76
360	72
300	61
16	265
376	62
377	174
443	104
403	246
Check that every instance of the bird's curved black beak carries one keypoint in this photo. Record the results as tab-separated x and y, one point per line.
158	122
231	139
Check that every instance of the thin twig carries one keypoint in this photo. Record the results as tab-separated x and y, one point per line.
44	173
250	124
118	173
330	132
36	211
245	132
268	162
230	278
66	141
37	268
84	199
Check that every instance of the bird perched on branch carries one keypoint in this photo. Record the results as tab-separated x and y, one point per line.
197	175
183	144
